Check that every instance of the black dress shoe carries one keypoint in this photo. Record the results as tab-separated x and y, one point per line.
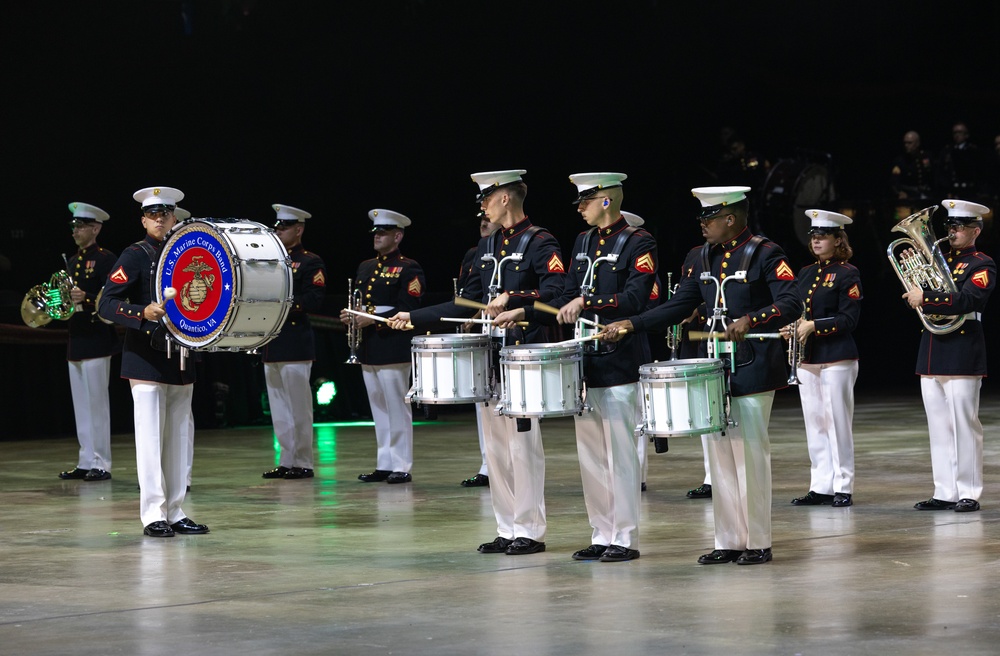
967	505
593	552
277	472
935	504
524	546
617	554
97	475
188	527
813	499
479	480
720	556
754	557
842	500
398	477
299	472
376	476
158	530
76	473
700	492
499	545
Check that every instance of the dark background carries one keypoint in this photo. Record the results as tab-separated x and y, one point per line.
340	107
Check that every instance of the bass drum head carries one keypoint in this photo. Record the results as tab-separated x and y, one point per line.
792	187
197	261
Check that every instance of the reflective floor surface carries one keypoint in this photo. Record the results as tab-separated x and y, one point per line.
335	566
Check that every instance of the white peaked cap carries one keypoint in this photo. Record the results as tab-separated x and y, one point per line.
633	220
289	213
181	214
490	181
159	196
88	212
826	219
387	219
964	209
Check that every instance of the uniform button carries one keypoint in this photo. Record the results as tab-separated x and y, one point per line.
817	277
597	253
601	242
728	255
503	252
725	264
506	242
722	276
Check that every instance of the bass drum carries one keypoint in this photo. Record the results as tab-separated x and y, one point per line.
233	282
793	186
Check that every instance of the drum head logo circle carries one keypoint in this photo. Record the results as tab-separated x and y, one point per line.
199	266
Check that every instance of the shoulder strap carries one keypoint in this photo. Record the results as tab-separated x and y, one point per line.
705	264
622	238
522	245
586	240
748	252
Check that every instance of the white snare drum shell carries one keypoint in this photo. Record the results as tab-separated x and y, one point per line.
682	398
541	380
451	368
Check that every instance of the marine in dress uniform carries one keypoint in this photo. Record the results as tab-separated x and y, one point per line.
91	345
390	283
831	291
514	452
912	171
740	458
951	366
288	357
161	391
604	291
468	269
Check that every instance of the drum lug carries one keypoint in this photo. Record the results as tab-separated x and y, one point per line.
498	410
409	396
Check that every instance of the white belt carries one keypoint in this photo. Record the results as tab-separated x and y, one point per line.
974	316
383	308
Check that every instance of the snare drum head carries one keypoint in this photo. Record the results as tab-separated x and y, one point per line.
449	341
197	261
681	368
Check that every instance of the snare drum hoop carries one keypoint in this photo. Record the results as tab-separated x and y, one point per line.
197	238
450	342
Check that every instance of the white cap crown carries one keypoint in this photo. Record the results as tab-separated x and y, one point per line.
159	196
289	213
181	214
588	184
827	219
387	219
88	212
964	209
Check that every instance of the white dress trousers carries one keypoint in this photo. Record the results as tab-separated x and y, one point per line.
162	421
516	463
483	468
609	465
741	476
88	382
290	398
827	395
387	385
956	435
642	440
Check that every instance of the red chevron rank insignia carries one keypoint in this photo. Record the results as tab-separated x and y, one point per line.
414	288
854	292
981	279
119	276
655	294
319	279
644	264
555	265
784	272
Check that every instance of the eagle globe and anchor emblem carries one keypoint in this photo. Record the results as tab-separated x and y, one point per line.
199	265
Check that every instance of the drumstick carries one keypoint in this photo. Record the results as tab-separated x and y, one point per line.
521	324
168	293
546	308
701	336
375	317
576	340
464	302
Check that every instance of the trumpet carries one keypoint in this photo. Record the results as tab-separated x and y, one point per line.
49	300
353	331
925	267
796	350
673	336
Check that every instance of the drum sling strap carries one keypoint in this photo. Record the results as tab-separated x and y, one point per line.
523	423
623	237
158	340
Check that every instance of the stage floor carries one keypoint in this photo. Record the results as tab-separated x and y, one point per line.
336	566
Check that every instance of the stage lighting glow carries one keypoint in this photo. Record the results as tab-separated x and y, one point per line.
326	391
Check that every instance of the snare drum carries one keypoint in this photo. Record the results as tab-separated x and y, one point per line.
450	369
541	380
233	281
682	397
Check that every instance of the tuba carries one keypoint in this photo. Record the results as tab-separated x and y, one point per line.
49	300
925	267
353	332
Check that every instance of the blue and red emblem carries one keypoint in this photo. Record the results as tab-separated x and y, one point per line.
199	266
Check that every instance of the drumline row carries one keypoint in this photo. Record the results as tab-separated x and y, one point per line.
679	398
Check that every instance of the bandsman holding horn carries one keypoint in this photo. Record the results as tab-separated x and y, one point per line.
831	291
517	265
951	365
764	300
389	284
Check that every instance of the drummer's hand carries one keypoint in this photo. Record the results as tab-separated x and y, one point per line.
497	305
693	317
77	295
615	331
914	298
153	312
400	321
805	329
570	312
737	330
509	318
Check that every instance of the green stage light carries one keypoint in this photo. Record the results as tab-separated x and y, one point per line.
326	391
